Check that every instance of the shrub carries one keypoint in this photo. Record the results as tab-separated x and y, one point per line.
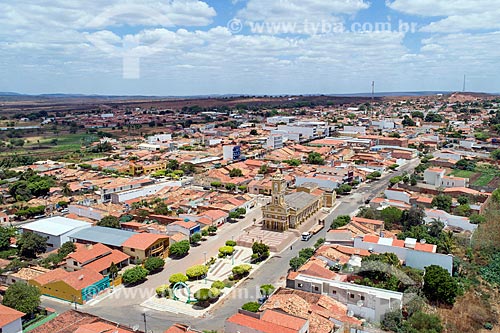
197	271
153	264
177	277
241	270
179	249
226	250
439	285
266	289
195	238
219	285
163	291
230	243
251	307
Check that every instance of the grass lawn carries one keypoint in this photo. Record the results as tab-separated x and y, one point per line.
463	173
484	180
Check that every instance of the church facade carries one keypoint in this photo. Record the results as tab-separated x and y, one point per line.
289	211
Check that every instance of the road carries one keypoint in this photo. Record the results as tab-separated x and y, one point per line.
126	309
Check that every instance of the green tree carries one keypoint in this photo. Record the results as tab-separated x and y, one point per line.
226	251
135	275
306	253
495	154
31	244
475	218
315	158
195	238
293	162
439	285
230	186
463	210
231	243
443	202
254	132
212	229
391	216
413	217
22	297
235	173
260	250
340	221
179	249
263	169
109	222
344	188
251	307
66	249
196	272
319	242
392	321
266	289
177	277
296	262
163	290
463	199
5	235
113	271
153	264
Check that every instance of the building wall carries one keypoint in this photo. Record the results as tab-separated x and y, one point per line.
14	327
324	183
432	177
397	195
158	249
88	212
61	290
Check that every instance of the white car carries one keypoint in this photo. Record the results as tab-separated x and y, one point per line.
306	236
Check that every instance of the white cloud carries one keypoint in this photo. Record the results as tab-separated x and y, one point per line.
299	10
459	15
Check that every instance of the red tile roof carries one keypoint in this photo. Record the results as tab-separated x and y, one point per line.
371	239
369	221
85	253
8	315
142	241
101	264
259	325
283	319
179	328
78	279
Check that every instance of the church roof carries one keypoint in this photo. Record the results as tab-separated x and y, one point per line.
299	200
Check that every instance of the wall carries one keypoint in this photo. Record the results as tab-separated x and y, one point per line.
397	195
14	327
61	290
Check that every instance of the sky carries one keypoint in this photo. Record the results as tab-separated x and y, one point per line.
254	47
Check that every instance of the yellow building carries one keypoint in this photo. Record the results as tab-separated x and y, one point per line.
136	169
79	286
144	245
287	211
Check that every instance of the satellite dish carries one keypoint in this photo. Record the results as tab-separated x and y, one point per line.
360	303
350	314
135	328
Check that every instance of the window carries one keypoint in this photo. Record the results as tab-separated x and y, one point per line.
316	288
133	250
362	298
300	285
352	295
75	263
334	292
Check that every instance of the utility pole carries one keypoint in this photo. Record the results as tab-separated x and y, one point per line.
145	323
464	82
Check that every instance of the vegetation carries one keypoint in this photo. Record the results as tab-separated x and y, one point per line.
443	202
195	238
439	285
22	297
218	284
163	291
241	271
315	158
296	262
343	189
109	222
266	289
391	216
340	221
135	275
231	243
226	251
196	272
251	307
177	277
235	173
260	252
179	249
154	264
30	245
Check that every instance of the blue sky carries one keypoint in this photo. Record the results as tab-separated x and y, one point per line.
193	47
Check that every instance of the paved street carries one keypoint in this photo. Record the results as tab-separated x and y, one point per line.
125	309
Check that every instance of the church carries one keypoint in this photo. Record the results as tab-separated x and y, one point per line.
289	211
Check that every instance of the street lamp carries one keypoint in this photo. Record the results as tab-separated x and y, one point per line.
145	323
205	253
232	254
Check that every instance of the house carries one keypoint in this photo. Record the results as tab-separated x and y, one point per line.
4	218
56	229
142	246
449	220
10	320
79	286
269	321
96	257
187	228
25	274
363	301
413	253
433	176
398	195
73	321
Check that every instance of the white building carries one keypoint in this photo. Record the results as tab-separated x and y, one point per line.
280	119
383	124
159	138
275	141
10	320
145	191
362	301
56	229
355	129
433	176
397	194
231	153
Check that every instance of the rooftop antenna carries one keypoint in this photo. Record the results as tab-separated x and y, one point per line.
464	82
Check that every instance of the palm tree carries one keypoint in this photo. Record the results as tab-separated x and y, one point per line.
66	190
447	242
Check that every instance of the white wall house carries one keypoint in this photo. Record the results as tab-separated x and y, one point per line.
433	176
56	229
397	194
